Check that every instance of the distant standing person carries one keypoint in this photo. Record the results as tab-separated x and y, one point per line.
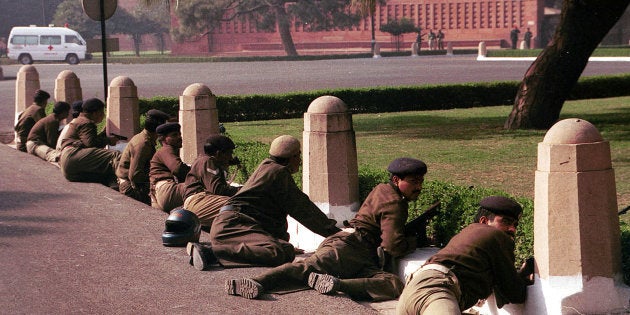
431	38
440	40
527	37
28	118
514	36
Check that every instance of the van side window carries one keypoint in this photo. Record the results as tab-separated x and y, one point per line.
50	40
24	40
71	39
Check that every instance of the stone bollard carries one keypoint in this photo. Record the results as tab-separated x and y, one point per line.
377	51
68	89
482	50
414	49
449	48
123	116
522	45
199	118
1	74
576	226
330	171
26	84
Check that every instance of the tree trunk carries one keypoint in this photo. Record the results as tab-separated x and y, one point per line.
136	43
285	31
550	79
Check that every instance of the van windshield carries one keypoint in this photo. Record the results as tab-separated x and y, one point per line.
71	39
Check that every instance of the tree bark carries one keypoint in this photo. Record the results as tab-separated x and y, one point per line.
285	30
550	79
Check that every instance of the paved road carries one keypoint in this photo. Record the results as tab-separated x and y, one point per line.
225	78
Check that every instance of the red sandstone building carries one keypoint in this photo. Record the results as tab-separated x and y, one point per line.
464	22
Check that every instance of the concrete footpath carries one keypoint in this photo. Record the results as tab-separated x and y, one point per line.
76	248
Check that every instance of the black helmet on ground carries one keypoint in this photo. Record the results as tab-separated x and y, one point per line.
181	226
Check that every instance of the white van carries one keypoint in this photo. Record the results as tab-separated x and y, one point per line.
29	43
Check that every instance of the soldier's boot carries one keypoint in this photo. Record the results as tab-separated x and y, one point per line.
246	288
323	283
201	255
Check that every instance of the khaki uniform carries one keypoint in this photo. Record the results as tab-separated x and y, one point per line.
26	121
352	257
167	173
254	231
83	158
207	190
42	138
476	262
133	168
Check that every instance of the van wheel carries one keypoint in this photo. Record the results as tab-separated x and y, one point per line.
26	59
72	59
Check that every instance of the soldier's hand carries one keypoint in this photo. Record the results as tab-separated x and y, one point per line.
527	271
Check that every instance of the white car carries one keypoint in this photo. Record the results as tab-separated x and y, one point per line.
31	43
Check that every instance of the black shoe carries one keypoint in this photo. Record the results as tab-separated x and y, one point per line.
202	256
323	283
246	288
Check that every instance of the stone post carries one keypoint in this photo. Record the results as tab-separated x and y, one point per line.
68	89
576	226
414	49
1	74
377	51
199	118
330	171
123	116
482	50
449	48
26	83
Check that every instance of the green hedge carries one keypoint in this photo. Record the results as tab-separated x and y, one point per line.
388	99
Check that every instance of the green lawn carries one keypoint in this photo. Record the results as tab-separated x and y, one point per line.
467	146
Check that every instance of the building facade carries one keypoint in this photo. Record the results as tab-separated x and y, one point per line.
464	23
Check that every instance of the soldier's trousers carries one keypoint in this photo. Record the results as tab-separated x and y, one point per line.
346	257
93	165
240	241
206	206
167	195
430	292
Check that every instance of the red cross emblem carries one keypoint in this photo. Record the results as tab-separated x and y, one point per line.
50	47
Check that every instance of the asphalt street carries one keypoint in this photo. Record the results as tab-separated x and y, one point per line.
232	78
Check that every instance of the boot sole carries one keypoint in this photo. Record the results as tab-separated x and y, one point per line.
322	283
246	288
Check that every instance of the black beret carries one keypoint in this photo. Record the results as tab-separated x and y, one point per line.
218	142
157	115
502	206
41	95
406	166
61	107
167	128
77	106
92	105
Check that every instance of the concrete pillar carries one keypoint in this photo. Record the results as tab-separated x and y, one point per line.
199	118
123	116
68	89
449	48
414	49
330	171
377	51
576	226
482	50
26	83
